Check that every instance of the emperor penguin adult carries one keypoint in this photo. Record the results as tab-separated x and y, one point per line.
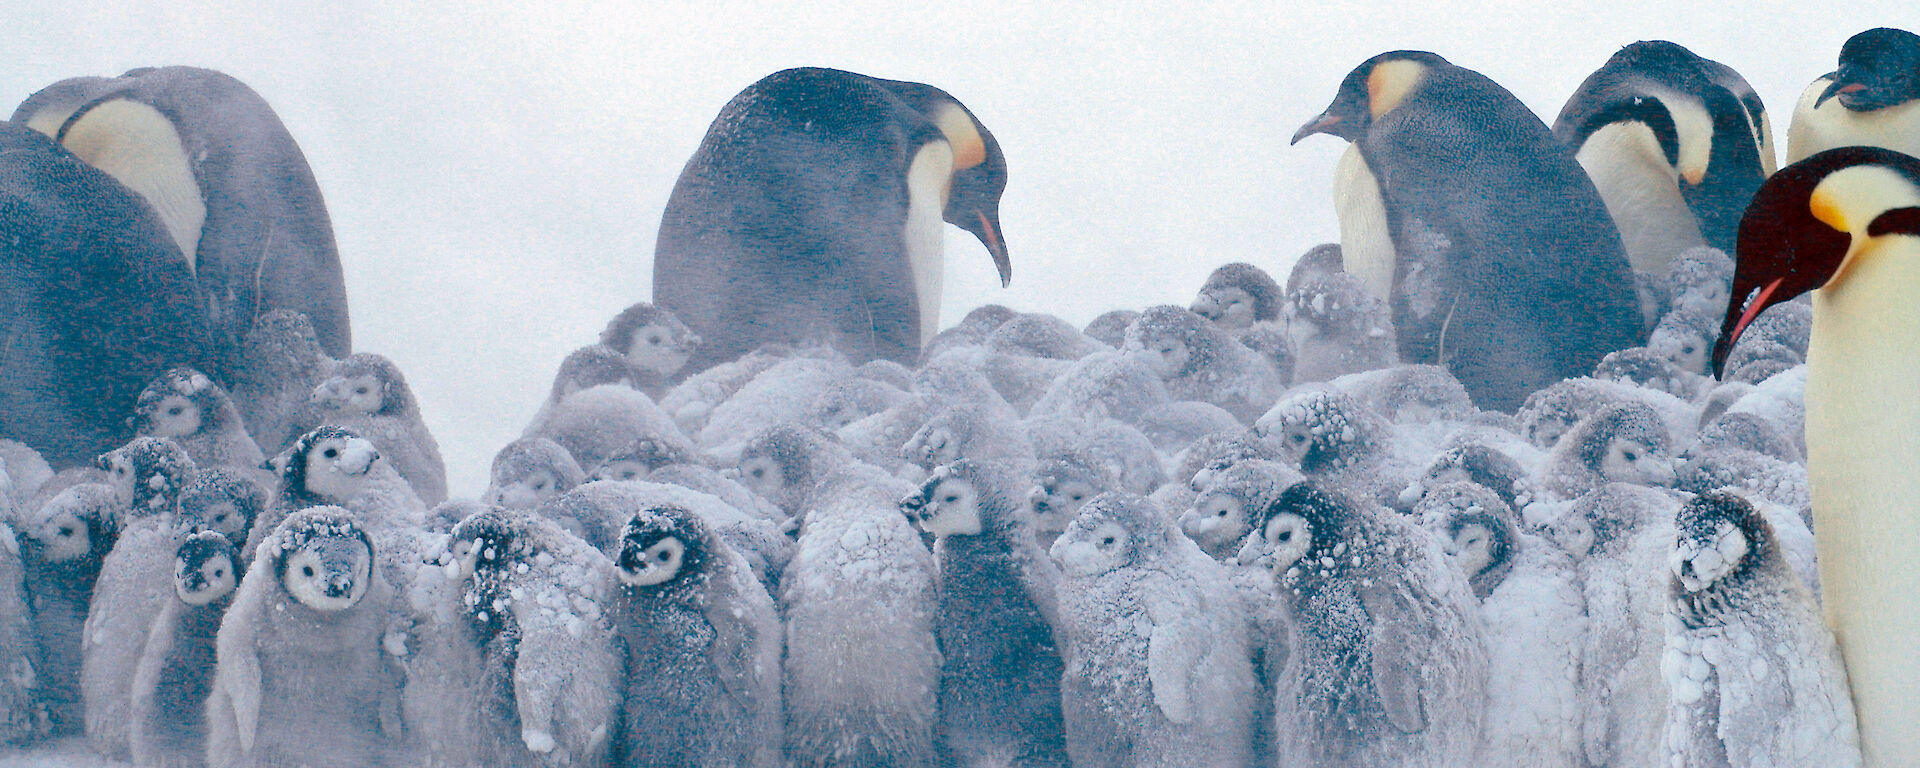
1676	144
95	301
226	178
1489	243
1873	99
1844	225
812	209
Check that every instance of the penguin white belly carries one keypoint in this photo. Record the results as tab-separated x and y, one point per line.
1831	125
1863	414
1642	194
927	184
1366	242
140	148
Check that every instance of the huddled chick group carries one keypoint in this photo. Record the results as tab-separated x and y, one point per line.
1234	534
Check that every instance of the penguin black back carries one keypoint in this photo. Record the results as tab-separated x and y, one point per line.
1507	269
95	301
812	209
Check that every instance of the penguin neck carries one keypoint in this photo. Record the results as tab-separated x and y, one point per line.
1642	194
1831	125
927	186
1863	408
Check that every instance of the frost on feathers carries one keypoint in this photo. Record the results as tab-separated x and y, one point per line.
1158	664
779	394
280	363
1110	328
185	405
1550	413
1337	327
1104	385
1199	361
690	402
21	717
1042	336
529	471
1646	368
335	466
1619	536
595	424
1174	426
702	645
1620	443
970	433
862	665
1535	615
64	543
997	620
368	394
597	511
535	597
301	677
1230	501
1331	436
782	463
1387	665
1753	675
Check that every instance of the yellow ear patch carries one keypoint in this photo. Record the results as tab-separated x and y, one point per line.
1850	198
138	146
1390	82
968	148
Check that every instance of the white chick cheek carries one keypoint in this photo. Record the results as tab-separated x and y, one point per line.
363	395
1471	549
1295	442
176	416
762	476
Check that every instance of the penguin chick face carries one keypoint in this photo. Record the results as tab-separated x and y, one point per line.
1720	537
148	473
349	394
1321	430
1879	68
662	545
74	525
652	339
366	383
1085	551
223	501
1173	341
324	560
481	543
589	367
1683	344
623	470
1228	307
1063	485
1300	537
636	462
204	569
778	461
948	504
177	404
330	463
1217	520
1472	547
1635	461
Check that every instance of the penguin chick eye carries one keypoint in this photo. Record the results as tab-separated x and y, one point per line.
1284	536
1106	542
1630	455
307	571
330	453
655	340
174	411
65	531
950	498
664	556
219	573
360	390
1077	497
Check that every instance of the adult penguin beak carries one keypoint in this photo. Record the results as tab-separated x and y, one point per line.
1327	123
984	223
1837	87
1783	249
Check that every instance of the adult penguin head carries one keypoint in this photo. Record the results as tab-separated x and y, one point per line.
979	167
1879	68
1378	86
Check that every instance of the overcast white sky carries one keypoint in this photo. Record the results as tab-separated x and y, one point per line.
496	174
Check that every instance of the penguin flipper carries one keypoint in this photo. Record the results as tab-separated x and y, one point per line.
1174	649
1396	676
239	676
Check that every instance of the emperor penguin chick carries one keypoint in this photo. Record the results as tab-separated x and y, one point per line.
281	361
529	471
175	671
1752	670
1331	436
1199	361
1159	668
1110	328
535	598
1229	503
300	677
1238	295
1535	616
67	539
1337	326
1621	443
654	342
185	405
22	717
862	665
1000	657
368	394
224	501
336	466
132	586
1387	666
702	646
